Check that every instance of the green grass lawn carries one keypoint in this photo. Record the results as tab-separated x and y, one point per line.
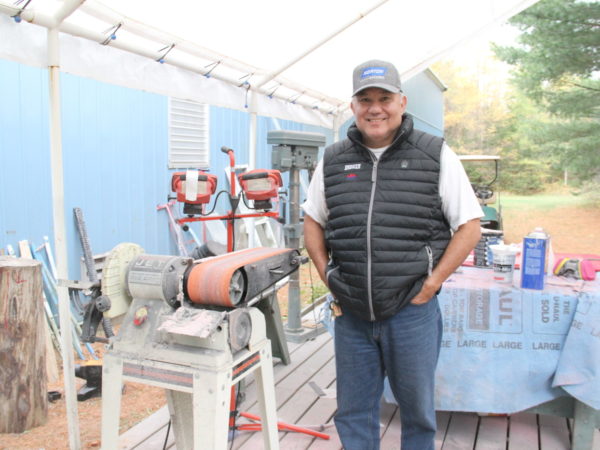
539	201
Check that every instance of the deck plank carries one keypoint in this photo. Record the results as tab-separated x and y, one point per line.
443	420
299	358
157	440
390	439
142	431
523	431
333	443
298	403
554	433
492	434
390	428
319	418
461	431
288	385
298	398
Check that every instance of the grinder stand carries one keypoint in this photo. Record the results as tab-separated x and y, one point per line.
197	372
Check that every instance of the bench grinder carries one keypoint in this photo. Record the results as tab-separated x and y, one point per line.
190	329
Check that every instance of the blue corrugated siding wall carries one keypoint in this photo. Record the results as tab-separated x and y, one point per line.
114	160
115	164
425	103
25	190
115	150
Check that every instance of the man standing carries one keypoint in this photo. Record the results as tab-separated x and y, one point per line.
390	214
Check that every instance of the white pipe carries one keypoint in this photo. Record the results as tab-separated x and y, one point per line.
337	124
102	12
252	135
49	21
310	97
106	14
286	66
58	212
67	8
27	15
60	237
173	59
9	10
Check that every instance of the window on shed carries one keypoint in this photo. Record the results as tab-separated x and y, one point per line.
188	134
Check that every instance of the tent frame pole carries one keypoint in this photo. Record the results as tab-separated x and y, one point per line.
276	73
58	215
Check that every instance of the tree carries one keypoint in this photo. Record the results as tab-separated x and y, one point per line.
527	167
556	66
482	117
474	106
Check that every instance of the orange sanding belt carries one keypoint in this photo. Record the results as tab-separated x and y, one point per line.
208	282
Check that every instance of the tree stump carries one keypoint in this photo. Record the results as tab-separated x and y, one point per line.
23	386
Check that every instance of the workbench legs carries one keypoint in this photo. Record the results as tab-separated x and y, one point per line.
586	419
199	399
200	420
265	383
112	388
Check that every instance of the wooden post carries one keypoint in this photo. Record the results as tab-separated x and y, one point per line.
23	385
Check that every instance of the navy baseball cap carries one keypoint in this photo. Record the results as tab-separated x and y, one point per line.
376	73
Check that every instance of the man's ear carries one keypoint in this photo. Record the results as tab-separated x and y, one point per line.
352	105
404	102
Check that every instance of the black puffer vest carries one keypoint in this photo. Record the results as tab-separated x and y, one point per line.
386	230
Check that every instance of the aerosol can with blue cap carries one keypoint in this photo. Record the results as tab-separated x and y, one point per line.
535	259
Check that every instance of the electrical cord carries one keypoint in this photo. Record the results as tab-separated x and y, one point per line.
167	436
248	206
213	208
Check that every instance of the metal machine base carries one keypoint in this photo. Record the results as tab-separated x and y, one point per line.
189	353
198	397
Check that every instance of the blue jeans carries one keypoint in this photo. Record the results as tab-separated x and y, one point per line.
405	347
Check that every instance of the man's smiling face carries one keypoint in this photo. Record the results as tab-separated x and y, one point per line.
378	115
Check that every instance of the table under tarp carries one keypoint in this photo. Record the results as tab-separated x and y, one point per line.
506	349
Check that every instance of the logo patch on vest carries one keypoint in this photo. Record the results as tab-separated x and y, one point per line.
351	176
404	164
352	167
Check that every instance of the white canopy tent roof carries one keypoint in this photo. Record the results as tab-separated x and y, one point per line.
277	58
297	56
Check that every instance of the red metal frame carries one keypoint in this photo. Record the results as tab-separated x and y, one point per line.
281	426
230	216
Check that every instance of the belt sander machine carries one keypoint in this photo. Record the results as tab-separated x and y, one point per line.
191	328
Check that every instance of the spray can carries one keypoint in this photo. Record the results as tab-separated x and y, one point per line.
534	260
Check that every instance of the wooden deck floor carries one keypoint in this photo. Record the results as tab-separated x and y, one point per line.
305	397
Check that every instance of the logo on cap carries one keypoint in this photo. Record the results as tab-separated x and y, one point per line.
373	72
